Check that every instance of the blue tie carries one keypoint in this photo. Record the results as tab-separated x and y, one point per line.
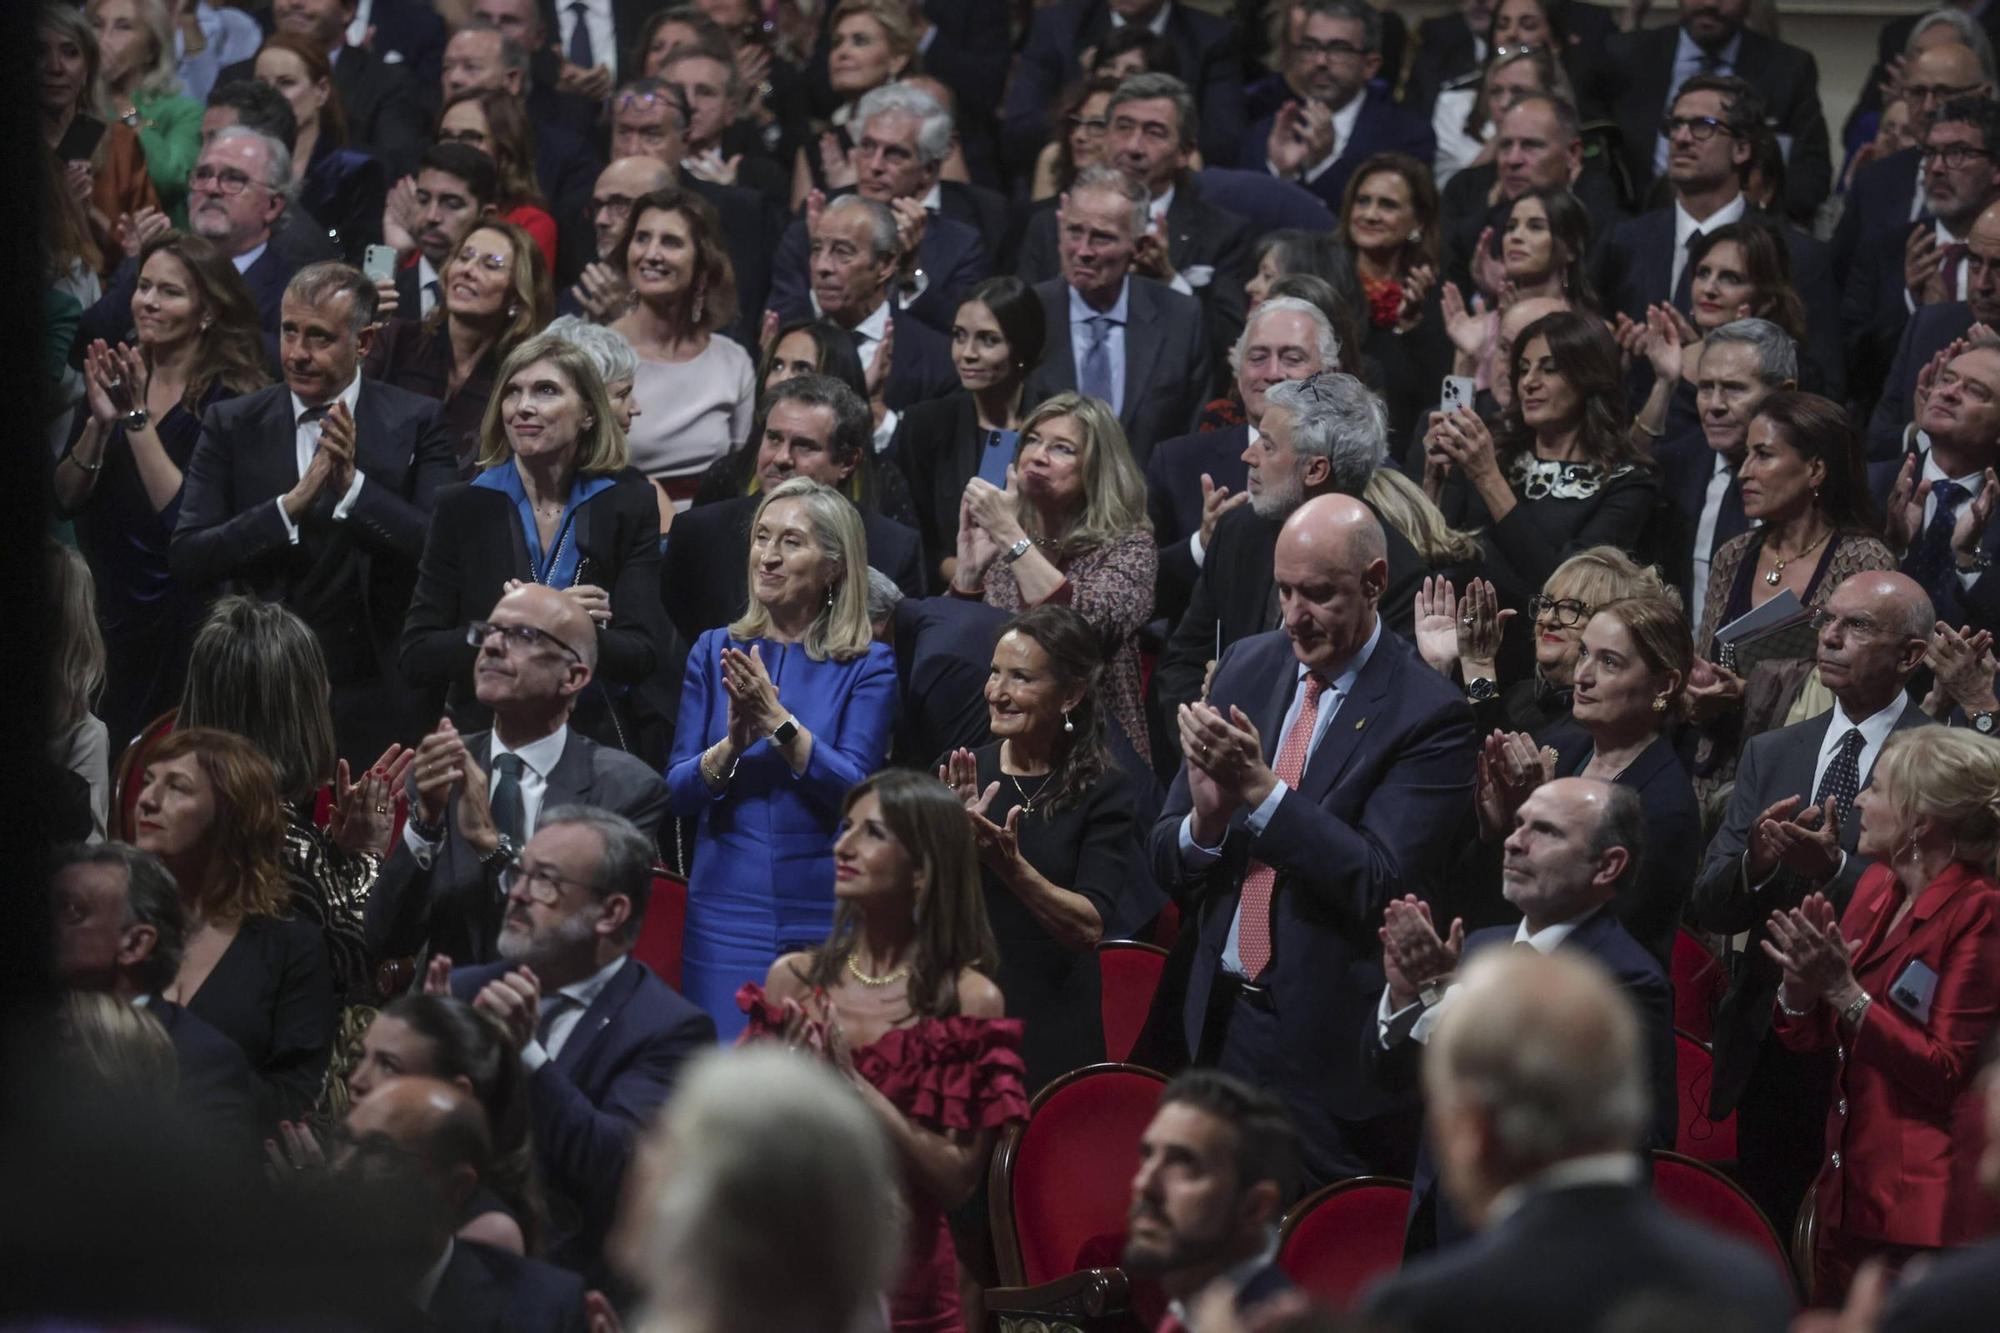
504	801
1932	557
1095	379
581	53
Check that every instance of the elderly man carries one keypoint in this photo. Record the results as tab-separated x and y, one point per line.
477	797
1576	848
602	1038
1320	771
298	235
705	81
902	136
384	105
418	1149
1893	429
1324	435
808	426
1136	344
1535	1099
1217	1167
856	260
316	493
121	929
1795	790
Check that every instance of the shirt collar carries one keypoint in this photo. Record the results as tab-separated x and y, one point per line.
1237	1275
1343	684
347	398
1080	311
934	198
426	1289
1934	474
1547	938
1685	225
426	275
541	755
250	256
585	992
1344	118
1604	1168
1158	23
1158	208
1875	728
877	323
1687	53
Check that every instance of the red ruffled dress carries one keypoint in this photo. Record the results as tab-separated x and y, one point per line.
945	1074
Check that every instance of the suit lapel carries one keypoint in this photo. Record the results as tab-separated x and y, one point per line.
1142	349
1956	879
965	441
570	780
1349	726
609	1003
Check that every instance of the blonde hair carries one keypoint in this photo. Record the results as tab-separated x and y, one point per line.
1948	775
117	1048
1604	574
79	660
1114	493
840	630
600	446
1404	507
529	289
163	75
894	16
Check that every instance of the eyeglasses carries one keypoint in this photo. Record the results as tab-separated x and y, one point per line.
1322	388
1567	613
1854	627
1093	127
221	180
537	883
1700	128
524	637
1955	156
1335	50
1936	92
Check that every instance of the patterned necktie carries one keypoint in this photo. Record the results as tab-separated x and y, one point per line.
1253	939
1928	562
433	293
1842	781
509	815
1950	262
581	52
1095	379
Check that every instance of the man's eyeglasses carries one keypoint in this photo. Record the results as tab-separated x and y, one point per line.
1955	156
1567	612
525	637
1700	128
1936	92
1335	50
220	180
1851	627
538	883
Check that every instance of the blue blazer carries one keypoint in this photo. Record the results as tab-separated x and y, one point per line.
1390	778
1382	127
589	1103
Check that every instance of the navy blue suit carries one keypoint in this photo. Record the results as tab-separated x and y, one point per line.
1382	127
1928	332
589	1103
1173	501
1956	605
944	648
1686	464
485	1290
1390	777
566	169
1868	246
216	1082
952	256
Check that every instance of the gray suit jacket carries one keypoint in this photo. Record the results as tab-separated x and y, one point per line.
453	906
1775	765
1166	361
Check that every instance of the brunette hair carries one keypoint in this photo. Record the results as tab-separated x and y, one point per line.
1659	630
510	142
1076	654
257	671
231	343
530	293
1587	356
246	841
1768	267
332	116
1071	104
711	293
1817	428
833	354
1423	201
1569	229
1018	311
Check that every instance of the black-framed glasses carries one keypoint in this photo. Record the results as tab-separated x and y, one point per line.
1566	612
221	180
1700	128
1922	92
1337	50
538	883
1955	156
525	637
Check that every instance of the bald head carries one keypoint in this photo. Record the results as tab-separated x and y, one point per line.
1575	842
1982	277
1946	64
626	179
552	613
1876	629
536	660
1330	568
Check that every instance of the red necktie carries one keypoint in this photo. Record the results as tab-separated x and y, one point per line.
1949	265
1253	936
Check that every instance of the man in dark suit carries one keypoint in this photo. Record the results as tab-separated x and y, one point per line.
401	32
901	138
1325	436
1191	245
1127	340
944	653
809	426
477	797
297	235
1892	428
558	93
603	1038
1217	1167
315	493
121	929
1534	1089
1638	76
1193	480
1205	48
604	36
1318	777
1577	845
1334	121
384	105
417	1148
1878	629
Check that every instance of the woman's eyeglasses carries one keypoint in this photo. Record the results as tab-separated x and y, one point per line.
1566	612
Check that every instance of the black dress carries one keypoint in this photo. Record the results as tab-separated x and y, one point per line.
1090	848
409	355
272	994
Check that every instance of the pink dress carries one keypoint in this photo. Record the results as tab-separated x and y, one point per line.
946	1074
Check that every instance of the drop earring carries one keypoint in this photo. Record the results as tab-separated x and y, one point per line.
700	302
1067	724
513	309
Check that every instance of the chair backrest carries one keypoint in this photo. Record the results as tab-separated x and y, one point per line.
659	944
1703	1194
1696	1134
1061	1182
1128	973
1805	1243
1339	1238
130	773
1699	982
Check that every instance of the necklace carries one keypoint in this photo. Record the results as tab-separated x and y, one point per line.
886	979
1778	569
1028	802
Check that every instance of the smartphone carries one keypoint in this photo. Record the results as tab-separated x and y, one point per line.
79	142
1458	391
379	263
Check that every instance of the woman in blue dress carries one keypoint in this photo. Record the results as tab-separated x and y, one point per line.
781	713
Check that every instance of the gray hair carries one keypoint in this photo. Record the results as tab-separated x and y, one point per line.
766	1161
1113	181
1336	417
1153	85
605	346
316	284
513	55
853	422
1777	353
1360	12
884	596
278	176
624	857
1326	341
1547	1045
1970	33
933	121
881	218
152	898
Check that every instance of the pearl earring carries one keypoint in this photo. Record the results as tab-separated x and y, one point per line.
1067	724
1660	703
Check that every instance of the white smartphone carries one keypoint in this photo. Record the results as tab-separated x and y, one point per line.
1458	391
379	262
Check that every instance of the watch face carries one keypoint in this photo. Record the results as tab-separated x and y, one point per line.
1983	723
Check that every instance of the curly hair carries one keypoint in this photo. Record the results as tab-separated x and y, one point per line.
1587	356
712	290
246	840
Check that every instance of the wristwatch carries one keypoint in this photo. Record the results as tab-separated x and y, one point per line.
1984	722
503	853
786	730
136	419
1481	688
1017	550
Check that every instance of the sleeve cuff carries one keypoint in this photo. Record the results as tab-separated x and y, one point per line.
1193	854
1181	285
1393	1027
1321	167
1197	550
1267	809
533	1056
420	847
346	505
291	528
887	430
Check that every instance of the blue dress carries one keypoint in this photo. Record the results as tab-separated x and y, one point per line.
762	881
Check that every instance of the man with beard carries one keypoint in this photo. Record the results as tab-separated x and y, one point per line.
1217	1166
602	1037
455	187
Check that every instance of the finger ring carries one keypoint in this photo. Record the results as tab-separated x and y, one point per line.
1466	621
114	384
381	809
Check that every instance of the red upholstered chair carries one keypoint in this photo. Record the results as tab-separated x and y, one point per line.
1698	1136
1698	1191
1128	972
1339	1238
1699	982
1167	926
659	945
1058	1192
129	775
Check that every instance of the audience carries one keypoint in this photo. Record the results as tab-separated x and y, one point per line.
385	109
135	41
103	158
342	187
493	123
78	741
428	217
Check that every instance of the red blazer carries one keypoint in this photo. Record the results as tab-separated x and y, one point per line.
1903	1134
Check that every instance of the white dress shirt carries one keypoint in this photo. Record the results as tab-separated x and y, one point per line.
582	995
430	284
306	443
1685	226
1711	514
1415	1022
869	337
1604	1168
538	760
597	19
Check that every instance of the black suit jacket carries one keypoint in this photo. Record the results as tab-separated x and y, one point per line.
944	648
1392	769
1955	604
1570	1257
1958	1292
1173	501
985	211
566	167
1868	244
936	448
1928	332
216	1082
588	1104
1382	127
627	18
387	114
1686	466
1166	360
485	1290
1631	79
410	33
952	256
1775	765
705	582
231	533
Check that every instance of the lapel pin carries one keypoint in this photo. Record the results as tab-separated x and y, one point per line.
1360	722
